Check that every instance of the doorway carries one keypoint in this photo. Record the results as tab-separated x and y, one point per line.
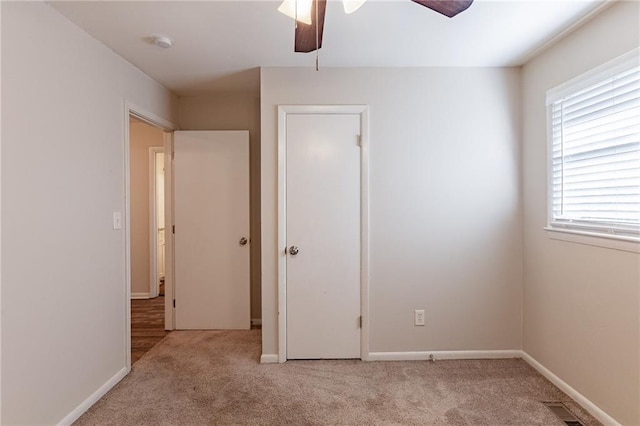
145	215
323	232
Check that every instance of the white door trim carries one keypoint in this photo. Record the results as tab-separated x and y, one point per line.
153	222
151	118
283	111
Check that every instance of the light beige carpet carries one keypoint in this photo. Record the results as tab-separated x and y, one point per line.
214	377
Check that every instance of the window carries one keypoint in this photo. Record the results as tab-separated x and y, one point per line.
594	164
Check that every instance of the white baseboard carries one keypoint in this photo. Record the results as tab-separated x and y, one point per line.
592	408
269	359
256	321
140	295
87	403
425	355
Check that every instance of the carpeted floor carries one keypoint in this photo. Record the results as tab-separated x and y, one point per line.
213	377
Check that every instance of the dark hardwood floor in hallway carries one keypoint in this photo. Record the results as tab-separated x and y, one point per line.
147	325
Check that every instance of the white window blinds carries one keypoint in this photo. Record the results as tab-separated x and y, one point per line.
595	153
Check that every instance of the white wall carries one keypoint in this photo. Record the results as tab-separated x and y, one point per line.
142	137
581	303
63	266
446	227
234	111
1	116
0	225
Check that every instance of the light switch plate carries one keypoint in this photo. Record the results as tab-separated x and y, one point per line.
117	220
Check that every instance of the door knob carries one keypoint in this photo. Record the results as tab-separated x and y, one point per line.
293	250
243	241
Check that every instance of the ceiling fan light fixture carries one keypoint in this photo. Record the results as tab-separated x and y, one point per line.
300	10
351	6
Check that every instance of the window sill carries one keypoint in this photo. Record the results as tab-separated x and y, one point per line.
613	242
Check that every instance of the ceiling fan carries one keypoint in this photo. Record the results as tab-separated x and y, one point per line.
309	16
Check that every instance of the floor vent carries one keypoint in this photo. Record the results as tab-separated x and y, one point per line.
563	413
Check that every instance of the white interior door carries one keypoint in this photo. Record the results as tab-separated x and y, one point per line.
323	263
211	205
159	202
156	219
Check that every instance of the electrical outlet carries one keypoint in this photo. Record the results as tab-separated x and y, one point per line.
418	317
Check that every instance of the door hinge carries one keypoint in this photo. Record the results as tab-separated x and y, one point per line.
173	229
173	155
174	303
360	321
359	140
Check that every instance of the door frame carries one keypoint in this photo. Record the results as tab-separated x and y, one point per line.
154	286
168	127
283	112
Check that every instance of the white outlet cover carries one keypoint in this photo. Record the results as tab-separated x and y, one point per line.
419	317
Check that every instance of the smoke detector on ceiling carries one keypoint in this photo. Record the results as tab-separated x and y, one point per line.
162	41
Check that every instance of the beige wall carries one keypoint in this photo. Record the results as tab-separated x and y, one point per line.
445	211
142	137
234	111
581	303
63	264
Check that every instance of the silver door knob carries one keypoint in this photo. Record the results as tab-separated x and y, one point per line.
243	241
293	250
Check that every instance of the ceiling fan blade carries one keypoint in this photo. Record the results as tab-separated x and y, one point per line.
448	8
306	34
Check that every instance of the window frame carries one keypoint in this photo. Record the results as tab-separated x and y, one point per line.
583	232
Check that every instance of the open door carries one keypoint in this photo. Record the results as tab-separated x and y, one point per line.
211	240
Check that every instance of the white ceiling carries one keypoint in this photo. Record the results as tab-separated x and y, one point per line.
219	45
